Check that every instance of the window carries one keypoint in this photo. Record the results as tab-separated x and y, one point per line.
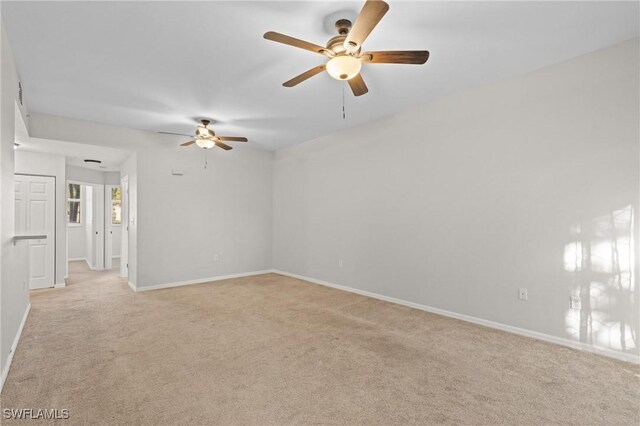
73	203
116	206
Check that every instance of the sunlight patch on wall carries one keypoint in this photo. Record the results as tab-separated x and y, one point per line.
600	264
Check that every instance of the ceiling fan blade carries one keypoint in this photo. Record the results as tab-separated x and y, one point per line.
176	134
371	13
396	57
223	146
233	138
295	42
188	143
305	75
357	85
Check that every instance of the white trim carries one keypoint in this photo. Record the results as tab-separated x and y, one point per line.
132	286
77	259
82	183
499	326
42	286
198	281
7	366
59	285
91	266
116	257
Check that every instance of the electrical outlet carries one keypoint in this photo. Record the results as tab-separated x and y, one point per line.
340	263
576	303
216	257
522	294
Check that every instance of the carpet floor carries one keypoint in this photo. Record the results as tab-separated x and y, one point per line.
271	349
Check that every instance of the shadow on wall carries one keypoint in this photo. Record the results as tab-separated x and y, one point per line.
600	264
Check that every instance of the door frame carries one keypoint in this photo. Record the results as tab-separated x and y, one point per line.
55	223
124	227
99	262
109	227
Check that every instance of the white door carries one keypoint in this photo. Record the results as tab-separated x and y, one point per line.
98	226
110	228
124	248
94	226
35	214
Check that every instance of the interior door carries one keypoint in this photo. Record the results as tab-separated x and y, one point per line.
124	249
109	229
35	214
94	207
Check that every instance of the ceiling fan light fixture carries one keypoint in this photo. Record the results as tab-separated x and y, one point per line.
344	67
205	143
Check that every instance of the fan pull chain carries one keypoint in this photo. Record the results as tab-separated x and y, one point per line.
344	114
205	159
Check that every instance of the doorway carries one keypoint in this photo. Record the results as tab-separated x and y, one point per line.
112	226
35	198
94	224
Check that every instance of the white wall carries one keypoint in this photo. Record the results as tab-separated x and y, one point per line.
76	241
36	163
14	291
184	221
457	204
116	240
111	178
82	174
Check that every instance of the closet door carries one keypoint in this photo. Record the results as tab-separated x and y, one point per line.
35	214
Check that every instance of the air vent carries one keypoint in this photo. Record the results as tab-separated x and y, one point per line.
93	161
20	93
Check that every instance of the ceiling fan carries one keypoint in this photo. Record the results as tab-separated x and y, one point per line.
344	50
206	138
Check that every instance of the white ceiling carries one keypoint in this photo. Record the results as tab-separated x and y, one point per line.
74	153
158	65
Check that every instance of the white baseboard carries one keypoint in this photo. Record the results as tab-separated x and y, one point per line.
499	326
14	345
92	267
132	286
79	259
198	281
59	285
115	257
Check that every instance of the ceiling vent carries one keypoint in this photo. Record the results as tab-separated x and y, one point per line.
93	161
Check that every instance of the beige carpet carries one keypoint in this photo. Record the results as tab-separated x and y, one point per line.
275	350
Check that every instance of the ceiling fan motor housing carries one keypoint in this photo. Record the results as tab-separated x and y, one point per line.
343	26
336	45
203	132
